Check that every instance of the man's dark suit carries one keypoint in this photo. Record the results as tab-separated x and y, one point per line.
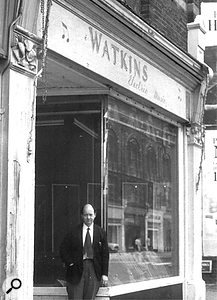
71	252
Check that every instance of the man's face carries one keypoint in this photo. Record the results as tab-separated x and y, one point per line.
88	215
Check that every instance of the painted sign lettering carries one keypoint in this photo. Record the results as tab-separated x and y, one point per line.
136	68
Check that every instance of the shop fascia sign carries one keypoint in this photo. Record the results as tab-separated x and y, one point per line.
90	46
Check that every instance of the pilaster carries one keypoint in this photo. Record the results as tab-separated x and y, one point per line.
19	99
194	286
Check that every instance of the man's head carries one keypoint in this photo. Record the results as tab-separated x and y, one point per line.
88	214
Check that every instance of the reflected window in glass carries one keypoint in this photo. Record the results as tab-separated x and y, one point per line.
143	219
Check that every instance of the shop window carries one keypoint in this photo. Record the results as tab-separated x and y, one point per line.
166	161
143	222
151	162
68	175
133	157
113	192
113	150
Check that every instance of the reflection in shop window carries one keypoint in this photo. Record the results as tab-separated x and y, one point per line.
133	157
143	204
113	150
151	163
167	167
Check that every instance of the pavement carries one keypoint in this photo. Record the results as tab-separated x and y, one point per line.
211	291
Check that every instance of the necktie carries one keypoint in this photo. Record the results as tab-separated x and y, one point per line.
88	250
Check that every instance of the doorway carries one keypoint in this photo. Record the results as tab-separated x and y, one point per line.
68	175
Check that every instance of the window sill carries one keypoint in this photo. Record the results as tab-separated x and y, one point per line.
112	291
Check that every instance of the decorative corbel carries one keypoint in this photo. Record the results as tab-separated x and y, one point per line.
25	53
196	134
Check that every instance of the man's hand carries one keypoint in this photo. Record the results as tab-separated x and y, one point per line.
104	280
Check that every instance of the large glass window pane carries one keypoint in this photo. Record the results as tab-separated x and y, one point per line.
68	174
142	195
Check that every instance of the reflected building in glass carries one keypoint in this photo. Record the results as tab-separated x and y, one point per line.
142	195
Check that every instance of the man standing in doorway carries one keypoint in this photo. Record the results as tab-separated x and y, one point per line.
85	254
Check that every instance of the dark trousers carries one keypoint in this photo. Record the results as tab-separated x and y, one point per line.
88	286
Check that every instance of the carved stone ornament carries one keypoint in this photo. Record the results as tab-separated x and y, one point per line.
25	53
196	134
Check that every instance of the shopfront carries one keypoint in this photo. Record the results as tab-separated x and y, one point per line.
140	178
120	149
111	131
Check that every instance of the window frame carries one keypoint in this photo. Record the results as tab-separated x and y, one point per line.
181	185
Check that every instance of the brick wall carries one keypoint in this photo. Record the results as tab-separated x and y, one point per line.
168	17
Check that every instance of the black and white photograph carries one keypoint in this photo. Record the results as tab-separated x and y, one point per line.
108	149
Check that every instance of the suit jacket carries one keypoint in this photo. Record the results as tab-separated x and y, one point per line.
71	252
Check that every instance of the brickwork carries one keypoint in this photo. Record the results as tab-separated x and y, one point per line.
193	9
134	5
169	18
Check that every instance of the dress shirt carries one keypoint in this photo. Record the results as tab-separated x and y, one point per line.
85	232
